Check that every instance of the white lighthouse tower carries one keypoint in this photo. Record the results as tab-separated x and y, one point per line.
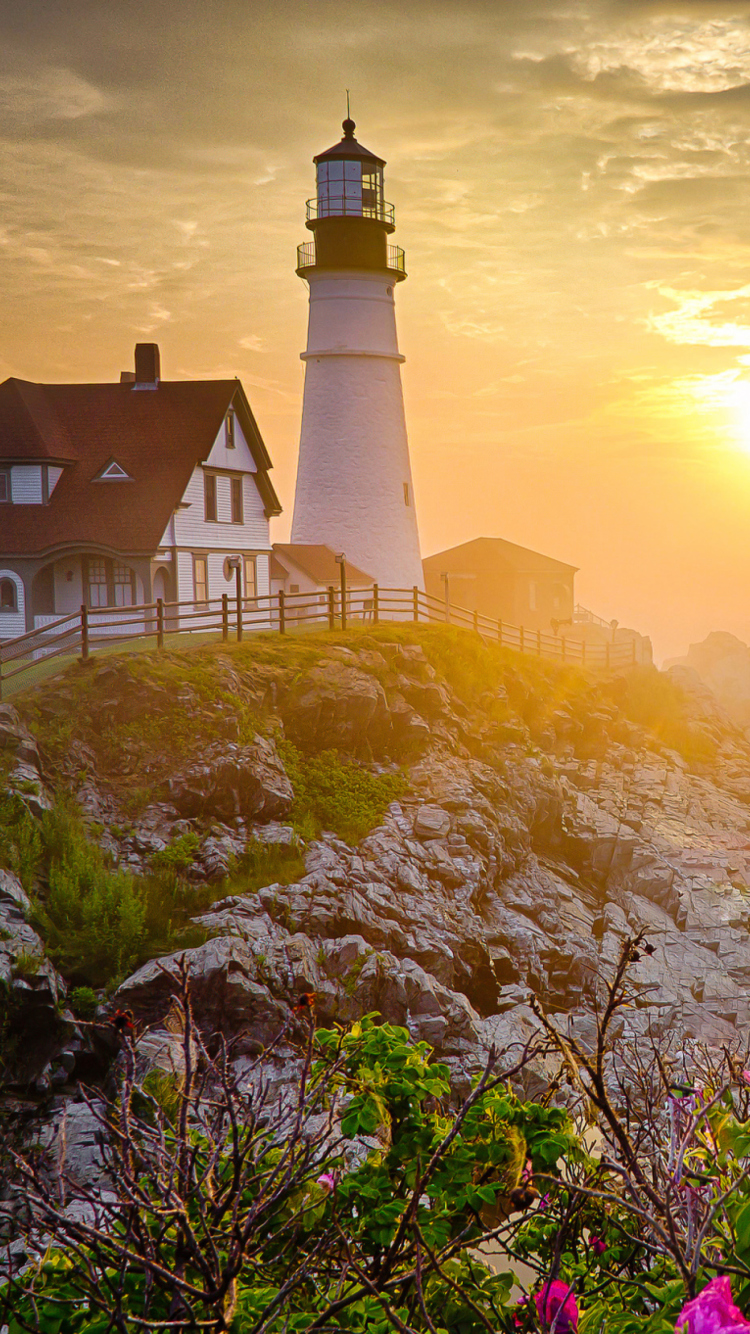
354	485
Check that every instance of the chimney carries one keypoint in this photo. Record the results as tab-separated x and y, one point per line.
147	368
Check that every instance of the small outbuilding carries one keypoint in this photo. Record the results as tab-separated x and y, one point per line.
504	581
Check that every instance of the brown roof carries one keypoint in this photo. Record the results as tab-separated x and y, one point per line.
319	562
482	552
157	435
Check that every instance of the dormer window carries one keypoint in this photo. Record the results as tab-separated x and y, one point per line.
5	491
113	472
229	429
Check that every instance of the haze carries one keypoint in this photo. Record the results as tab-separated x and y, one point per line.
571	188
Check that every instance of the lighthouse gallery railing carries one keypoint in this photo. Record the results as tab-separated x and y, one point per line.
31	657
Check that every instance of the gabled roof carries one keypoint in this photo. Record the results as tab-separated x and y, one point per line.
319	563
157	437
486	552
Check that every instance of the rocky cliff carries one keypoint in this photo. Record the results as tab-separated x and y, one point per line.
497	826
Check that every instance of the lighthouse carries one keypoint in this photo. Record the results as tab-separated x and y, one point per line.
354	485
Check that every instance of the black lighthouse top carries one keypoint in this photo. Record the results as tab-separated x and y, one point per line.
348	216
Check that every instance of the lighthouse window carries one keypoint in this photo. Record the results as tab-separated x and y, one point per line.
407	500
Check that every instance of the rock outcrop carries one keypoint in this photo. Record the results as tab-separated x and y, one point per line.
545	818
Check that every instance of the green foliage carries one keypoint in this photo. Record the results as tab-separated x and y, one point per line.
99	923
92	918
20	840
392	1091
84	1002
27	963
178	855
338	795
266	864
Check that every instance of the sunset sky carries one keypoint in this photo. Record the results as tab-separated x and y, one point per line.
572	190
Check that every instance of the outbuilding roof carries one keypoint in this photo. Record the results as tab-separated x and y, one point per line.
496	551
157	435
319	563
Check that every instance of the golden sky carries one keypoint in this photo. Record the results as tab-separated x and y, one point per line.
572	190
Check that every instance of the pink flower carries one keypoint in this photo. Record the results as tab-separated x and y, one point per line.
527	1173
597	1245
746	1076
712	1311
557	1307
326	1181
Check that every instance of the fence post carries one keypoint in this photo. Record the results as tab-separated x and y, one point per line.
520	640
583	652
1	673
84	632
376	605
562	645
282	613
160	623
539	643
415	602
606	654
238	578
225	616
500	632
475	619
331	607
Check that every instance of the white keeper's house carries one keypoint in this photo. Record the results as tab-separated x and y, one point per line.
117	494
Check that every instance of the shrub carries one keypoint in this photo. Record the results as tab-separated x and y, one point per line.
21	843
84	1002
245	1211
178	855
92	918
340	795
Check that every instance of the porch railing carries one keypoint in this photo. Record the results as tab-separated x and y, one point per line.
26	658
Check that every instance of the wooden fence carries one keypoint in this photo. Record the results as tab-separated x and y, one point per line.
26	658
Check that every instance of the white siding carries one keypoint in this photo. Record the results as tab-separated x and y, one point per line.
26	484
238	459
54	475
185	576
13	623
192	530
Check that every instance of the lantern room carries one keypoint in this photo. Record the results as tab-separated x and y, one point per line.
350	181
349	217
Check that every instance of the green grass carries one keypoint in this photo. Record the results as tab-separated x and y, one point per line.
339	795
264	864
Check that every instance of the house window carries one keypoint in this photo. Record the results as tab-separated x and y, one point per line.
237	515
97	582
229	428
532	595
8	594
407	500
200	578
123	585
5	492
209	481
251	581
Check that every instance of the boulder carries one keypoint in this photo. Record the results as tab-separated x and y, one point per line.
231	780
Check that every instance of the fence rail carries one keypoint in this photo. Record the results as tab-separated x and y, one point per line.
26	659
